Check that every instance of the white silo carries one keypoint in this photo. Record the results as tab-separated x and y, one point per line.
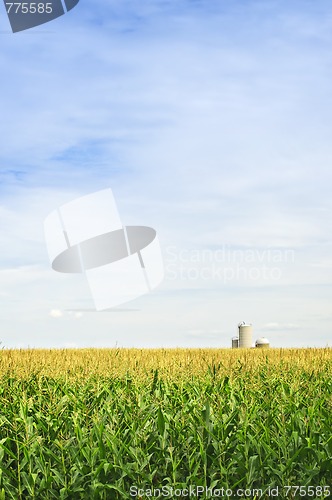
262	343
245	335
235	342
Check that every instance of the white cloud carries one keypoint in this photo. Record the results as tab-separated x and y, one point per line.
56	313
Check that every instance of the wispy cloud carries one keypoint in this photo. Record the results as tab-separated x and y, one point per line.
56	313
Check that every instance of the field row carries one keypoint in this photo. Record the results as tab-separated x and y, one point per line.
175	364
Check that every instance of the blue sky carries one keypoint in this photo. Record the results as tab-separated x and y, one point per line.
211	122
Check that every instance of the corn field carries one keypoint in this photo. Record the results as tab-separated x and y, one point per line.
125	423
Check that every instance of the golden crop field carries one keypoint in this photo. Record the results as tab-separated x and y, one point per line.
165	423
171	363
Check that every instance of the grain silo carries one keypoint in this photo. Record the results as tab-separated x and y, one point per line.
235	342
245	335
262	343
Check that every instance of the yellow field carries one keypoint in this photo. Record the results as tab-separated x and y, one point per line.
173	363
